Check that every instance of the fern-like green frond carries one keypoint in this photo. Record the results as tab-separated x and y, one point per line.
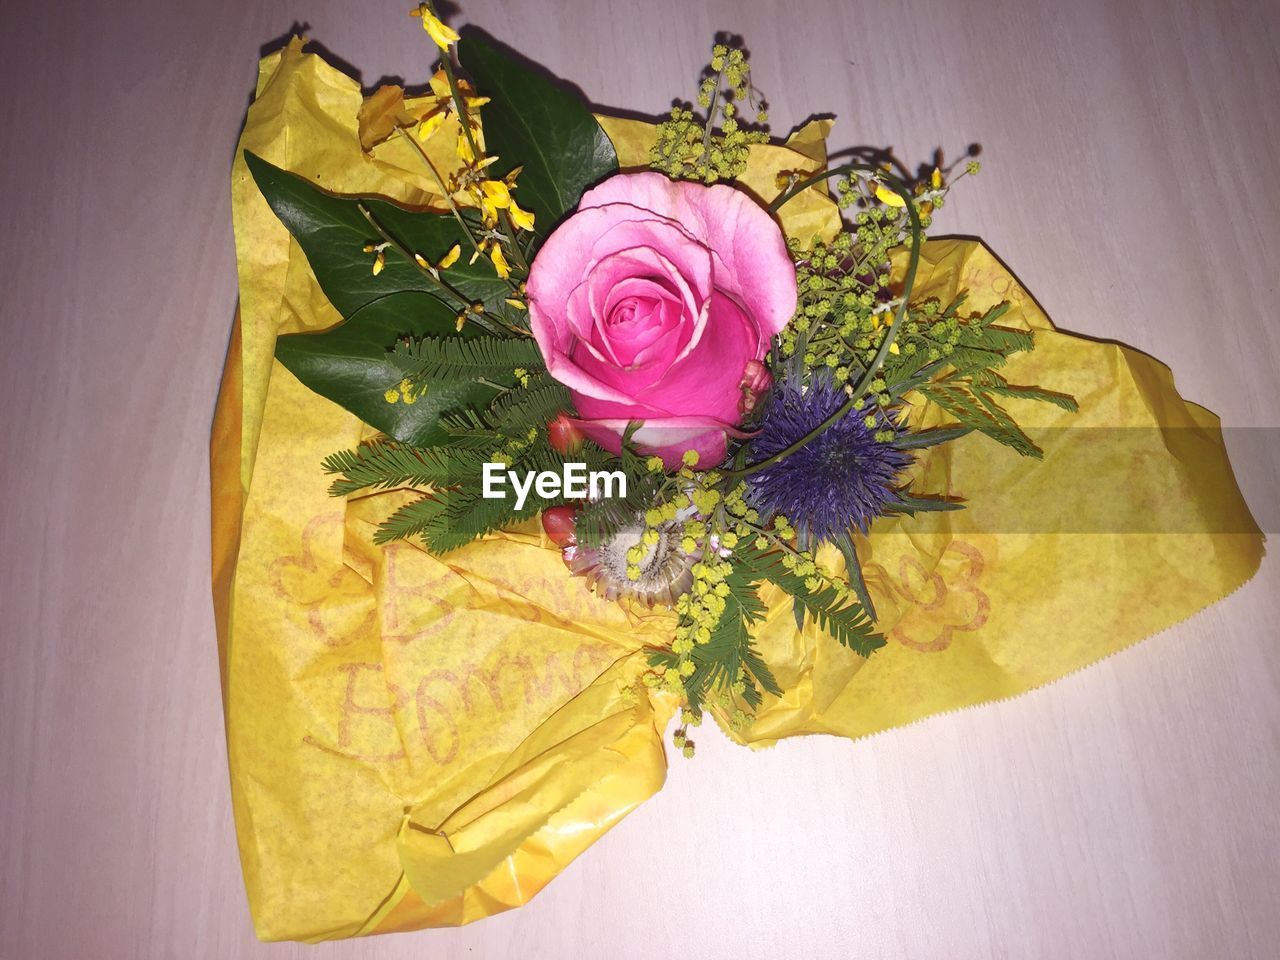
436	359
841	616
385	464
410	520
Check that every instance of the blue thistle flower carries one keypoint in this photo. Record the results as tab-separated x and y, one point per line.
842	479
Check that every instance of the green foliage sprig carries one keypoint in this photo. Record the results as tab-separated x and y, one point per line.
713	147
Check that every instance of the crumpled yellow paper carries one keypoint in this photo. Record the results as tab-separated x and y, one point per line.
421	741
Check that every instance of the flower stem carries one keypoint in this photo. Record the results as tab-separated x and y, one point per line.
464	120
512	245
445	285
460	105
909	279
444	191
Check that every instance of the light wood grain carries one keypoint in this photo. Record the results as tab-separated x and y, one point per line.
1127	811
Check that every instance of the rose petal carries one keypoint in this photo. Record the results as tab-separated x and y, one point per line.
753	260
667	438
588	236
693	385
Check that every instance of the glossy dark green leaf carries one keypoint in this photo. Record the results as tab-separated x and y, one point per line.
350	365
531	123
333	233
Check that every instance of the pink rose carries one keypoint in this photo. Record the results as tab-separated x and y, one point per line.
653	301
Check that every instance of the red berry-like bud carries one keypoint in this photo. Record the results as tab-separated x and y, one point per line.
558	523
564	435
756	381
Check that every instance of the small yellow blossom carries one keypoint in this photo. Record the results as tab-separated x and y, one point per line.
450	258
499	261
888	197
432	122
523	219
495	195
435	27
464	151
444	107
379	262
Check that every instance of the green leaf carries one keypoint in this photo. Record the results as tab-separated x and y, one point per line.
976	410
333	234
843	618
351	365
450	358
853	573
1063	401
412	519
449	519
905	503
533	405
929	438
532	123
384	465
729	657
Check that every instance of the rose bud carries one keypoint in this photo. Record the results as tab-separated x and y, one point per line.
756	381
564	436
558	524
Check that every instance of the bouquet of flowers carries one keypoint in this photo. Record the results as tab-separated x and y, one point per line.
727	386
693	401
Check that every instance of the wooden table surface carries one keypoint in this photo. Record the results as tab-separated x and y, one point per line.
1130	179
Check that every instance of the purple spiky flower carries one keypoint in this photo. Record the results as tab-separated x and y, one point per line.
841	480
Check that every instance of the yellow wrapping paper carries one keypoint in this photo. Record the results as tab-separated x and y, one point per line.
420	741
